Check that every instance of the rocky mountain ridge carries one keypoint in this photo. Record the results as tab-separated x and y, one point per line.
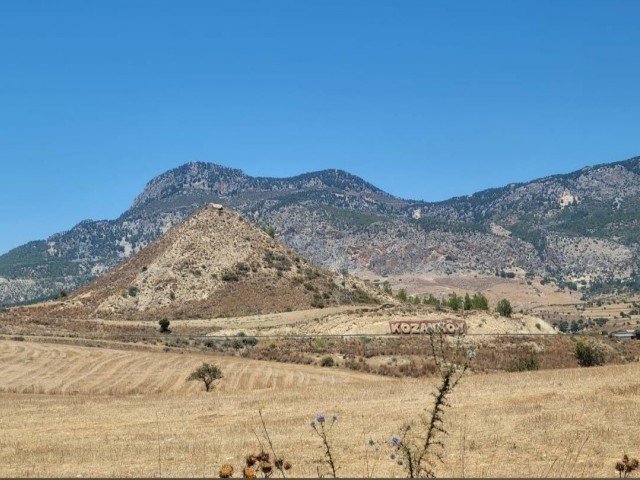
580	229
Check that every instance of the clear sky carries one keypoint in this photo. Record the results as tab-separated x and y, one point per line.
425	99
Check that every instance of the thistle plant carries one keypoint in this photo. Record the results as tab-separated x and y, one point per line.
280	463
626	466
371	452
372	447
260	463
417	451
322	429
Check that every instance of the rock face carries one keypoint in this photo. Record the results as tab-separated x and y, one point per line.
214	263
580	228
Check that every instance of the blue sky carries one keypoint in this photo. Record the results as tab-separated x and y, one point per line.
425	99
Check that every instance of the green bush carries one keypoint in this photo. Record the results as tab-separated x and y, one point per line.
524	363
164	325
251	341
431	300
317	301
588	355
328	361
455	302
479	302
504	308
228	276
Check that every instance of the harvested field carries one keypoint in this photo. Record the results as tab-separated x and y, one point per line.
133	415
62	369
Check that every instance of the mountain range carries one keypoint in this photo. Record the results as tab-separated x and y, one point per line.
579	229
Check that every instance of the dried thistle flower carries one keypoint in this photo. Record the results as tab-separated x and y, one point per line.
266	466
278	463
626	466
251	460
263	456
248	472
226	471
287	465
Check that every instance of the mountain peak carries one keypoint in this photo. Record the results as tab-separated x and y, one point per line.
217	181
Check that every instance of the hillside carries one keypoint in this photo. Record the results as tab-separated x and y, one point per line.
580	229
214	263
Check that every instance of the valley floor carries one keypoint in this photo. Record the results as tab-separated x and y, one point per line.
80	411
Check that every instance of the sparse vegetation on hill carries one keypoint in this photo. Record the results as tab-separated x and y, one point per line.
213	264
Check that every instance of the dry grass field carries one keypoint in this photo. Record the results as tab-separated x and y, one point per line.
80	411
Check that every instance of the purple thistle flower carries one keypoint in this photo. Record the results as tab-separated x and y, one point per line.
320	418
395	441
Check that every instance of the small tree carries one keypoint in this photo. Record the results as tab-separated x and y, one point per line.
402	295
206	373
504	308
455	302
468	304
164	325
431	300
479	302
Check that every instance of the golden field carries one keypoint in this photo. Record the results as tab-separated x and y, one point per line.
81	411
